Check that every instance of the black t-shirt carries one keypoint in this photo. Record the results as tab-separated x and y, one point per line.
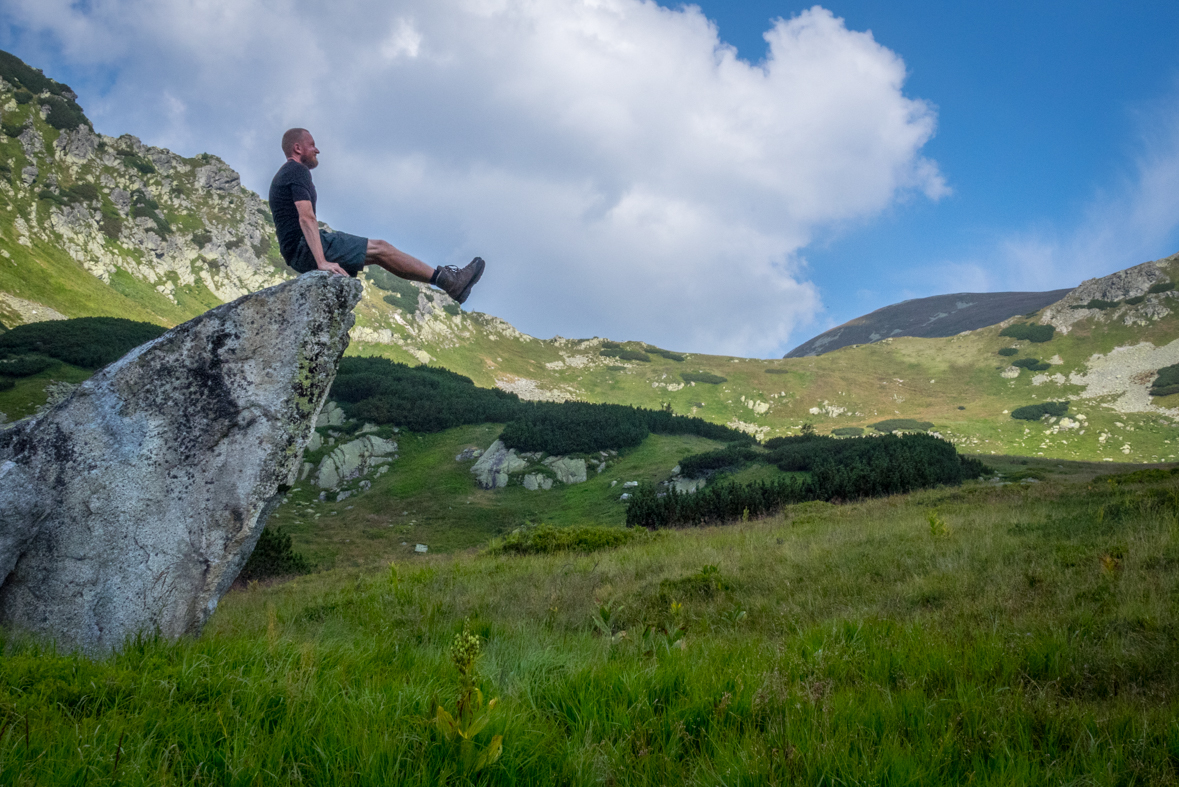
291	184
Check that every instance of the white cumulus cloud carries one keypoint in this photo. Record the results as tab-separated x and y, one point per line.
624	173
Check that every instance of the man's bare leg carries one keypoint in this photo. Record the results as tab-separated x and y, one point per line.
397	262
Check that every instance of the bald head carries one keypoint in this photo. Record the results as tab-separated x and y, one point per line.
292	137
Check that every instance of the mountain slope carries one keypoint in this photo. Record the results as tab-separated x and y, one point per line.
938	316
94	225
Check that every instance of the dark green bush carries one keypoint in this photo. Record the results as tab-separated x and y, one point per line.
697	465
1009	351
48	196
625	355
64	114
112	223
7	383
1137	299
1096	303
777	371
23	97
1029	332
580	427
848	431
81	192
273	557
144	206
16	72
666	354
402	294
902	424
611	346
89	342
843	469
138	162
429	399
422	398
1032	364
703	377
1162	286
202	239
1167	381
546	539
1034	412
12	128
25	365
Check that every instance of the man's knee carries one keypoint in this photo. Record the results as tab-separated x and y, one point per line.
379	248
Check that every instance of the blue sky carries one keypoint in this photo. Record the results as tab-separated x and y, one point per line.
627	176
1043	109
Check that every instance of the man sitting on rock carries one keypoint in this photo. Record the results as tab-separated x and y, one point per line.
306	247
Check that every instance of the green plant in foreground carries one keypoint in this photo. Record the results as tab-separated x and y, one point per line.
606	620
470	716
938	527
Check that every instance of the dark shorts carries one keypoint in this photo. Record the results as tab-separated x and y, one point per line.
345	250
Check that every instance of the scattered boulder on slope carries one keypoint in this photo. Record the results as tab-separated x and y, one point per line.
131	506
354	459
567	469
496	464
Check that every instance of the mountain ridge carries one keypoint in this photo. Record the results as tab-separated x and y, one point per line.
92	225
936	316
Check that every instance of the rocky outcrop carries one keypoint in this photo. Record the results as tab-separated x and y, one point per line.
354	459
131	506
496	464
1131	283
567	469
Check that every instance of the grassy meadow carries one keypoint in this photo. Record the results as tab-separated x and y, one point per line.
1022	633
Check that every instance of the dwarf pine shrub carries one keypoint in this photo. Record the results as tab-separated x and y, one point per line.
703	377
89	342
1029	332
1009	351
1166	382
273	557
902	425
1034	412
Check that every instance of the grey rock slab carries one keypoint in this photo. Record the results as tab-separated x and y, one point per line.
496	464
569	470
352	459
131	506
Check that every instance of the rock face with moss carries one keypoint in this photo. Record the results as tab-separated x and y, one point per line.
131	506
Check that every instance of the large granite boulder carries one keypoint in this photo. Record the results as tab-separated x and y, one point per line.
496	464
353	459
567	469
131	506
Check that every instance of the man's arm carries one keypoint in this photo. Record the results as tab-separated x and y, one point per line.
310	226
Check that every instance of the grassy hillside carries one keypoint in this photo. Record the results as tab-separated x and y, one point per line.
1018	634
94	225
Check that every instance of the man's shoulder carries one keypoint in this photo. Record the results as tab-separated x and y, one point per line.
293	172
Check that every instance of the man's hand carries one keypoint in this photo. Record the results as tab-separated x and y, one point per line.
310	227
331	267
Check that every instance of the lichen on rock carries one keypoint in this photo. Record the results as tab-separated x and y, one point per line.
130	507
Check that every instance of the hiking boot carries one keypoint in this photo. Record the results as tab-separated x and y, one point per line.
456	282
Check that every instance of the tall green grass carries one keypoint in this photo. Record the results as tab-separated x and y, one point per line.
1031	639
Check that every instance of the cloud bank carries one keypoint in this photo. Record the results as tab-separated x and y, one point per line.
624	173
